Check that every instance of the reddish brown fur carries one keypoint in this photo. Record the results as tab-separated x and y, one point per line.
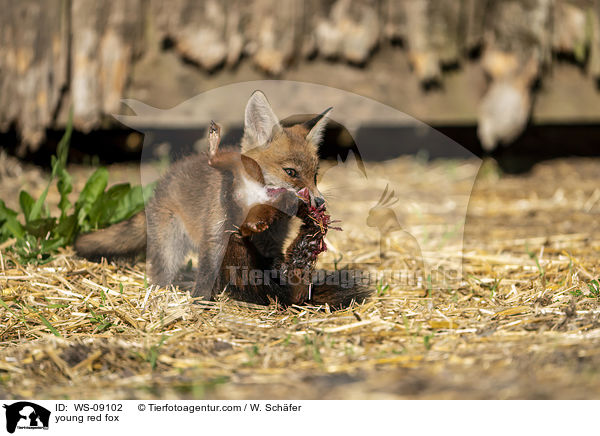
289	149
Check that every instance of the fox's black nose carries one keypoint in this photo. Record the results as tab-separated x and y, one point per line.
319	201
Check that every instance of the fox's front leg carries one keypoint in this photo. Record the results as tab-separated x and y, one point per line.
204	280
209	265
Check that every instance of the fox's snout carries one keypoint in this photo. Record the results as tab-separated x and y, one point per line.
316	199
308	196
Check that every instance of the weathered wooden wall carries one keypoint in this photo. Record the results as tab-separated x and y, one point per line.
81	53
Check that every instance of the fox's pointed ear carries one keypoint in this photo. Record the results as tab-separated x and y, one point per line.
260	121
317	127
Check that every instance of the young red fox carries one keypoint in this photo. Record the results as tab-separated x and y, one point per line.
233	208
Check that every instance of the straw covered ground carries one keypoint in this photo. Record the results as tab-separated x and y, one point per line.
520	322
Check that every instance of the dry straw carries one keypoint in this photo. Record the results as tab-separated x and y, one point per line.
521	323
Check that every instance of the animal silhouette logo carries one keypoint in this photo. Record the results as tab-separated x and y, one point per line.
393	239
26	415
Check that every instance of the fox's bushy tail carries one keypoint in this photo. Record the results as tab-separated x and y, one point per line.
121	240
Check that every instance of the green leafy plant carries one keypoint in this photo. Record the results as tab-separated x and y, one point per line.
252	353
38	235
593	287
154	352
540	268
312	346
427	340
382	288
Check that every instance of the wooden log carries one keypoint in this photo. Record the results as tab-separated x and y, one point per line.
33	65
56	54
273	34
206	33
350	31
102	51
433	36
593	23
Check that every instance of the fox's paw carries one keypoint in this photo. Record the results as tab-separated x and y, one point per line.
248	228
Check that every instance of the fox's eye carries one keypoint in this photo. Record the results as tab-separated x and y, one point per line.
291	172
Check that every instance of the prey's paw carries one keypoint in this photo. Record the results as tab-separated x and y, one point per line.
214	135
250	228
214	139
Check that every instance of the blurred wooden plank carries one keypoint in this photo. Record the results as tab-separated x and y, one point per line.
59	53
33	64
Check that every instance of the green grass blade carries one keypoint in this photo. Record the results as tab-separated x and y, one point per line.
47	324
